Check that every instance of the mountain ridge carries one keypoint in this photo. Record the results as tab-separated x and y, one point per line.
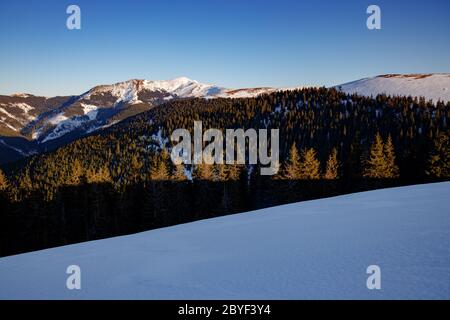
41	123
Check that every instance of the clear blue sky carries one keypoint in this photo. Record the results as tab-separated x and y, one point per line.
233	43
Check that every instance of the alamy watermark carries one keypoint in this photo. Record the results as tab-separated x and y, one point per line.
73	281
73	21
235	147
374	20
374	280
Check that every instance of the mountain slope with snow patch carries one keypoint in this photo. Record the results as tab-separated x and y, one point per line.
431	86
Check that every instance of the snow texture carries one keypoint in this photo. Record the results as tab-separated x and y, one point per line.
311	250
433	86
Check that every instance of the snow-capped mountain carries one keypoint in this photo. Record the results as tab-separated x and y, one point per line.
103	105
318	249
41	122
30	124
431	86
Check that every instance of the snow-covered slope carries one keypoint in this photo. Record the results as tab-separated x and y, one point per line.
316	249
105	104
41	123
431	86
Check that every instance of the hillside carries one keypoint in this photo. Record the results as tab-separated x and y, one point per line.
121	180
31	124
431	86
311	250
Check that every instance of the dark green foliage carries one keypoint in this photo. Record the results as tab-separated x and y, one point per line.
121	180
439	161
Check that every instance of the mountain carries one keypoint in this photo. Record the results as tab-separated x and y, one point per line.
31	124
311	250
431	86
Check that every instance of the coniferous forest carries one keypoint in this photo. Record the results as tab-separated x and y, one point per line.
121	180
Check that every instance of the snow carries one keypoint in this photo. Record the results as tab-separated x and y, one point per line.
10	115
64	125
57	119
90	111
3	120
311	250
21	95
23	106
434	86
181	87
36	134
128	91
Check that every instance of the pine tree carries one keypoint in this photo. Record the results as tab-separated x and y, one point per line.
309	165
179	173
101	175
160	170
76	173
220	172
391	170
3	182
332	170
233	172
292	167
439	161
204	172
376	164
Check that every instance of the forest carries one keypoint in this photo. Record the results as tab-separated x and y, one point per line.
121	180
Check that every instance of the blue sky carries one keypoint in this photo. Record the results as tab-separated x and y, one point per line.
233	43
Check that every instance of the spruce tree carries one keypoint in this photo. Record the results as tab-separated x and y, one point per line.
179	173
376	163
309	165
102	175
292	167
332	170
204	172
233	172
391	170
160	170
439	161
76	173
3	181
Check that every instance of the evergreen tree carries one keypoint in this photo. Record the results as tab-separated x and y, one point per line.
391	170
233	172
309	166
76	173
179	173
101	175
160	170
292	169
376	164
204	172
439	161
3	182
220	172
332	170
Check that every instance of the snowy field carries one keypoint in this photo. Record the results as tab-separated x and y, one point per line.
310	250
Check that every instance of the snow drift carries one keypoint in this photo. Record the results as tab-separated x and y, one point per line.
312	250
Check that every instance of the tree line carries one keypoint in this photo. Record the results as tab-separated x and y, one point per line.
121	180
